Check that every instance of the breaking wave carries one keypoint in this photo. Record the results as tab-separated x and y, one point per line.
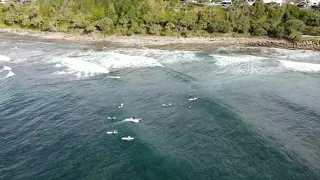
162	56
90	63
79	67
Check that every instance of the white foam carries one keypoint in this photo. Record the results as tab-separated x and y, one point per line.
296	54
10	74
300	66
79	67
234	60
4	58
113	60
162	56
15	47
6	68
89	63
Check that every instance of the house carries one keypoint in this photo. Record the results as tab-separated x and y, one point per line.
19	1
314	3
226	3
3	1
279	2
250	2
303	4
309	3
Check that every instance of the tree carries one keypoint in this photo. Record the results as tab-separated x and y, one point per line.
105	25
258	9
294	25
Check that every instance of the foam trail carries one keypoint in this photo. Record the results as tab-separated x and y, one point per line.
4	58
111	77
120	122
300	66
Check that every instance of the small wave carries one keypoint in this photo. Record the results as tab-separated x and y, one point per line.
4	58
234	60
300	66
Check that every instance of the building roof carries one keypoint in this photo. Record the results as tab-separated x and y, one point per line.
270	1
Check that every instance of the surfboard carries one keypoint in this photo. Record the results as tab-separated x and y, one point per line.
192	99
111	132
133	120
127	138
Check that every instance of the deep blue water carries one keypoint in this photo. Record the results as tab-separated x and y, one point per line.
257	115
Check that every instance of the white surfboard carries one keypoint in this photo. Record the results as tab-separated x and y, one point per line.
112	132
129	138
133	120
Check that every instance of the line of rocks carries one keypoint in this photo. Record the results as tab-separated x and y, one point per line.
303	45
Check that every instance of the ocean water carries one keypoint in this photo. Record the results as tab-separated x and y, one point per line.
257	115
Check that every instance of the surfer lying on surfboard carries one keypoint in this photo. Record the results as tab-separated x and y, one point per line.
112	132
193	98
121	105
133	119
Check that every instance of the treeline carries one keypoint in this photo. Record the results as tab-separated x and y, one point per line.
128	17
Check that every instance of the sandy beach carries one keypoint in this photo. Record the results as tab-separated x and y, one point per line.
163	40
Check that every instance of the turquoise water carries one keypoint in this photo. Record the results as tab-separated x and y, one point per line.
257	115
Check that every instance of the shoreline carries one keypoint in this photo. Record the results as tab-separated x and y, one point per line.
158	41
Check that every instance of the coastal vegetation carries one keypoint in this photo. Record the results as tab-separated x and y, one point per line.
162	17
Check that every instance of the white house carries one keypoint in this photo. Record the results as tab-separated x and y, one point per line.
251	2
280	2
226	3
3	1
313	2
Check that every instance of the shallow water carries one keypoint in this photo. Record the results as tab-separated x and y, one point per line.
257	115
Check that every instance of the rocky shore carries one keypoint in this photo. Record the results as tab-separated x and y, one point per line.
165	40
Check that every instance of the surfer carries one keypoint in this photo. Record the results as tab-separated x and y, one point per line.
121	105
190	107
134	117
